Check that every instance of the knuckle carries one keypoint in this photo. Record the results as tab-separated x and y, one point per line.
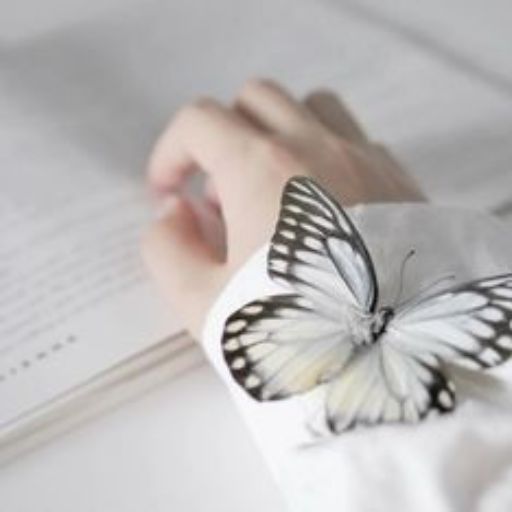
255	85
340	147
322	94
203	103
196	108
279	156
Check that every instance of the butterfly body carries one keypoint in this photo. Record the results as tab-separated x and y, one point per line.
367	328
376	364
380	322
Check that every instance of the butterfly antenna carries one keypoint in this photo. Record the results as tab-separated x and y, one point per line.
409	255
426	290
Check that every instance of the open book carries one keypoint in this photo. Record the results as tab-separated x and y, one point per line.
79	109
77	311
74	298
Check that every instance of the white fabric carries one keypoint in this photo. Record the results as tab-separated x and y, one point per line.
452	463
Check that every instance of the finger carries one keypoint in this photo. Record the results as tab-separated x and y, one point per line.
272	109
221	143
211	194
183	263
406	182
204	134
212	225
334	115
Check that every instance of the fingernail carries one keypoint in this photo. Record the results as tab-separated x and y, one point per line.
166	206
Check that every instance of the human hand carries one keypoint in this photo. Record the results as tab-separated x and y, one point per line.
248	152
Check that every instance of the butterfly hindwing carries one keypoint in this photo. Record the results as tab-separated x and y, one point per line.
384	385
470	324
317	251
278	346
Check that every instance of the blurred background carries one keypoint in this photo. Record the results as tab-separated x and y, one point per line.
87	85
431	79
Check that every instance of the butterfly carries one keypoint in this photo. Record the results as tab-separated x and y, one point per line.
378	363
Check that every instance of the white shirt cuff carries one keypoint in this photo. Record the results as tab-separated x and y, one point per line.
391	465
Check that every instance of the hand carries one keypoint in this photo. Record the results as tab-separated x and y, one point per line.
248	152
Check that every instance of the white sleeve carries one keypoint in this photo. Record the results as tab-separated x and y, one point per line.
442	465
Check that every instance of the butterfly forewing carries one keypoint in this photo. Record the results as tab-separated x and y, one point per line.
470	324
318	252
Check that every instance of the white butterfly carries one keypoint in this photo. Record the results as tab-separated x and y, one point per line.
379	364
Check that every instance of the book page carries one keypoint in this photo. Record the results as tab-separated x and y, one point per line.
74	295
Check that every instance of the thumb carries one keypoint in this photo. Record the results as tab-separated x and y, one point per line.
184	265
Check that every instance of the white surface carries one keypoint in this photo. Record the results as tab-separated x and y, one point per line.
136	62
180	448
472	36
